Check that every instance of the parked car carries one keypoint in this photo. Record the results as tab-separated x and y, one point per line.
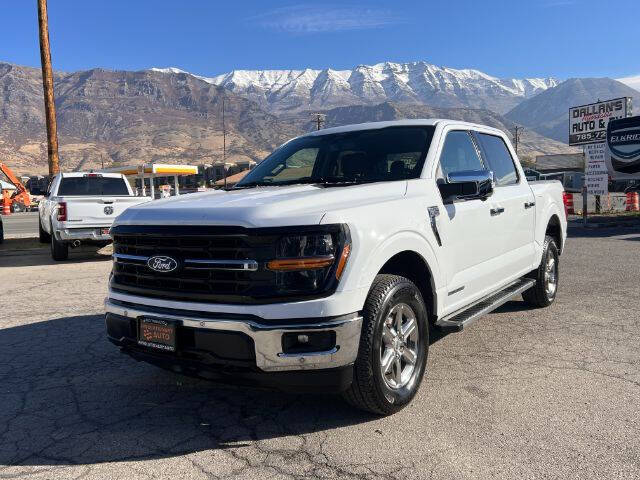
325	267
79	207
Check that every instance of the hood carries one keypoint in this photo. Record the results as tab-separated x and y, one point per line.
259	207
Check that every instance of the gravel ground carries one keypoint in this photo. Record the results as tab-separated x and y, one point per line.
552	393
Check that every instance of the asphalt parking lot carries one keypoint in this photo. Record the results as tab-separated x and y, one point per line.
552	393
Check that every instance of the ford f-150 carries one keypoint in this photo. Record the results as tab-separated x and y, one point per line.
326	267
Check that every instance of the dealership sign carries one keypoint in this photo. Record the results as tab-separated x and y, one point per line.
588	123
595	169
623	152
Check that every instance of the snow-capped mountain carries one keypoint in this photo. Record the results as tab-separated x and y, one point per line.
415	82
633	82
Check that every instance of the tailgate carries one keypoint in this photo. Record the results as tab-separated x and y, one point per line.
93	211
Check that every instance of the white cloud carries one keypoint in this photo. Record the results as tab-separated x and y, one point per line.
302	19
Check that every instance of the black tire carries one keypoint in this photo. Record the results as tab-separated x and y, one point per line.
59	250
541	295
370	390
43	236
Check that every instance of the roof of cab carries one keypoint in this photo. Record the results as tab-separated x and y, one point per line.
399	123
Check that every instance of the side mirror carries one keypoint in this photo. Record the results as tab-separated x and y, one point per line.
467	185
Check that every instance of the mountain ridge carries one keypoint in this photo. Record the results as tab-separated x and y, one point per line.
411	82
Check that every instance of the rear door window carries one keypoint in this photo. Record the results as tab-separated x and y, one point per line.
499	159
92	186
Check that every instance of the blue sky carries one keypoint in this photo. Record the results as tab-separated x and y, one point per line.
561	38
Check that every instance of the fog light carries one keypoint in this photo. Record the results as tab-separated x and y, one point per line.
293	343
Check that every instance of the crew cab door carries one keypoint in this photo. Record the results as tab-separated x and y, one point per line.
467	230
513	204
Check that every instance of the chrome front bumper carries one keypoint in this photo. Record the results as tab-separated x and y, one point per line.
267	339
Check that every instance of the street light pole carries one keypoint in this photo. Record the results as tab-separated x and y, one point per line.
47	85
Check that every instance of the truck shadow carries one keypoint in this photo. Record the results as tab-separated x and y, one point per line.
69	397
34	258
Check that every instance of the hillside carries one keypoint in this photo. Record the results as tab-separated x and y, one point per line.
120	117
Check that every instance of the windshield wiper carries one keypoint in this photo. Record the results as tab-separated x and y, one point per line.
269	183
339	182
324	181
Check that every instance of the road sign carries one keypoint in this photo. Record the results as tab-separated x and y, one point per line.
588	123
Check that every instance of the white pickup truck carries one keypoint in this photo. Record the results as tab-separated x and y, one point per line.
327	265
79	207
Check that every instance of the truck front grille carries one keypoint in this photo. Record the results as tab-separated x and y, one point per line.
216	264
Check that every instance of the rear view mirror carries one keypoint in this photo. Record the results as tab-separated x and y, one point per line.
467	185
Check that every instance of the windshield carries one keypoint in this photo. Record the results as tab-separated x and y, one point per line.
90	186
363	156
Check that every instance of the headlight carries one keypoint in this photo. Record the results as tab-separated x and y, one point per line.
311	263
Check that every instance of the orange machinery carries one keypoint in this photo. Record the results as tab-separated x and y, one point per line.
19	200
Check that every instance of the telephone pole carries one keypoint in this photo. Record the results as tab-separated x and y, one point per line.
224	146
224	135
517	130
47	85
319	119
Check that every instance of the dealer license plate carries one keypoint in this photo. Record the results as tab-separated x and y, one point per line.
156	333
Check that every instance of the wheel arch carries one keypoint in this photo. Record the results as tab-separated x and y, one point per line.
554	230
411	265
411	256
551	222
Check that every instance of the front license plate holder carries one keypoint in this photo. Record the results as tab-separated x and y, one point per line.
157	333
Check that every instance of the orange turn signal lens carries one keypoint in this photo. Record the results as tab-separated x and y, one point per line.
296	264
343	260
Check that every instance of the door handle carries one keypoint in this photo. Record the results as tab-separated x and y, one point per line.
529	204
496	211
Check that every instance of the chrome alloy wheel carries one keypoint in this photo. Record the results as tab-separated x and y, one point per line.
399	347
551	276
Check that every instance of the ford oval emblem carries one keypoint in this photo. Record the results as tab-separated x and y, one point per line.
162	264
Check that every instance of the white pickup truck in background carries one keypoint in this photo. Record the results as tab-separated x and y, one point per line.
79	207
327	266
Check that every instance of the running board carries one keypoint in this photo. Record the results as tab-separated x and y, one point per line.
462	318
